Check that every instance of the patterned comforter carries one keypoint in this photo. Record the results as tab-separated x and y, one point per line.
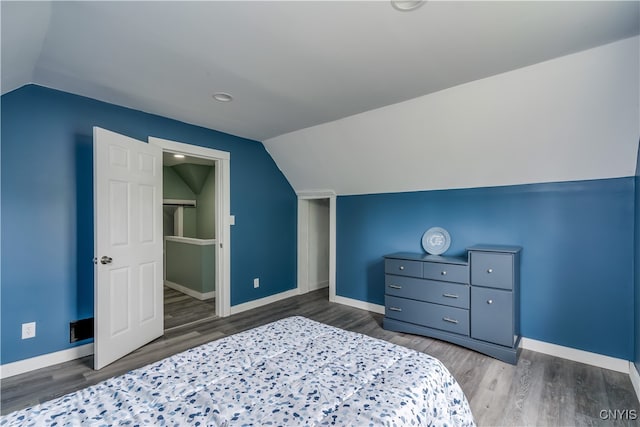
291	372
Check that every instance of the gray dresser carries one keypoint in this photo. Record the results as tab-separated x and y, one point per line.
471	301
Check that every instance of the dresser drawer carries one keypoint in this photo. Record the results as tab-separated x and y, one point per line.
446	272
453	294
436	316
492	316
493	270
403	267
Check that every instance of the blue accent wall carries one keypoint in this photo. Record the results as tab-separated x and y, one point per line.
577	282
636	269
47	212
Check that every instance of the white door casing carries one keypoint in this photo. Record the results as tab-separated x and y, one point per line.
128	293
223	214
303	239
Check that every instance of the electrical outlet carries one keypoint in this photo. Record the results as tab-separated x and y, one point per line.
256	282
28	330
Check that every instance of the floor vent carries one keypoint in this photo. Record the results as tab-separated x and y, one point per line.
81	330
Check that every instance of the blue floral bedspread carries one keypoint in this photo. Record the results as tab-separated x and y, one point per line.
291	372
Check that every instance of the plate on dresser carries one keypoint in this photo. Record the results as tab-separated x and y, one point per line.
436	240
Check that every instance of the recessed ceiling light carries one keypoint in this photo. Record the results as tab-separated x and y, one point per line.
407	5
222	97
179	156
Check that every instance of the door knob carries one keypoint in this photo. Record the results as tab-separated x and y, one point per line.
106	260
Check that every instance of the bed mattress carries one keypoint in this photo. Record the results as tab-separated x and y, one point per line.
291	372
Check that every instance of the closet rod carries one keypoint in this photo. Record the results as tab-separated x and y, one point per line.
179	202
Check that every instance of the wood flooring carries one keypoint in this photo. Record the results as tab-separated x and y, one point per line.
181	309
540	391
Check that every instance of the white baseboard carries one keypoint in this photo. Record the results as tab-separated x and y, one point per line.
359	304
635	378
593	359
21	366
188	291
235	309
319	285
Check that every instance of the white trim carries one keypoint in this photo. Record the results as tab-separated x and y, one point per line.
193	150
191	240
332	248
223	214
319	285
363	305
634	376
303	239
263	301
593	359
316	194
39	362
188	291
303	246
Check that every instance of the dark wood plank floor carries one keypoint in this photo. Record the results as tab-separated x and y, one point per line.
540	391
181	309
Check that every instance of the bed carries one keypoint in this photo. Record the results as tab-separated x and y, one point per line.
291	372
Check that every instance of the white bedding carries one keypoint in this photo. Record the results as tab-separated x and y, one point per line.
291	372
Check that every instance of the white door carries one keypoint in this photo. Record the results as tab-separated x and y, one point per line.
128	292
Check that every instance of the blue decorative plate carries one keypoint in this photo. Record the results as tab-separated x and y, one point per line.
436	240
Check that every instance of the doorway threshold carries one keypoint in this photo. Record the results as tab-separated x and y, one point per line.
192	323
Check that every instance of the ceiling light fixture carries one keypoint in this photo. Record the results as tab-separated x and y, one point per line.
179	156
222	97
407	5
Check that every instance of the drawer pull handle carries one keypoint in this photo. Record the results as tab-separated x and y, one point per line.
444	273
450	295
395	309
446	319
490	270
395	287
401	267
489	301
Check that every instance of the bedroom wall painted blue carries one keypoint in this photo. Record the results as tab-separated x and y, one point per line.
47	212
636	268
577	259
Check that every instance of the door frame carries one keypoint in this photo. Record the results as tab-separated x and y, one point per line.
223	214
303	239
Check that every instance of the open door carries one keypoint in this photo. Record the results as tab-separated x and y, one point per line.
128	293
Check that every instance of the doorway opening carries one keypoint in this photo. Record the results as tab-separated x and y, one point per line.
214	222
189	239
316	242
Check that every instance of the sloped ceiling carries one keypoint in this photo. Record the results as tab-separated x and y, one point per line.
357	97
289	65
193	175
568	119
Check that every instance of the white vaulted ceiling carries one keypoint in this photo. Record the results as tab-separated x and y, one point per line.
572	118
357	97
289	65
